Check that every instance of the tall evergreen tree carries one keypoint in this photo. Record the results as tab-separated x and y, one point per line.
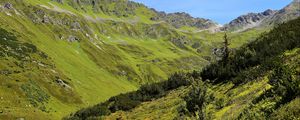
226	48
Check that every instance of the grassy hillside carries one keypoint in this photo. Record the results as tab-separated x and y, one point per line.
255	82
57	58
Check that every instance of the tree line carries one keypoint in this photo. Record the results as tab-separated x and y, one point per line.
128	101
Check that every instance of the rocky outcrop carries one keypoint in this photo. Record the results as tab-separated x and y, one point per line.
63	84
73	38
46	19
75	26
180	42
8	6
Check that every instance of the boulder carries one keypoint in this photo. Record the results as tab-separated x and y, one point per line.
46	19
75	26
123	73
72	38
8	6
180	42
156	60
63	84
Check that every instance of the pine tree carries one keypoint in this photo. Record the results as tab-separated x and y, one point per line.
226	48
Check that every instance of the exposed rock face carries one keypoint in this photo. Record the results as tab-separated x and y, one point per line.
180	19
8	6
249	21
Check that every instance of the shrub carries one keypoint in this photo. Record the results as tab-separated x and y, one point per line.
284	83
196	99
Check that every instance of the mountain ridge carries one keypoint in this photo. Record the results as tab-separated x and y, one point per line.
128	8
265	19
182	19
249	20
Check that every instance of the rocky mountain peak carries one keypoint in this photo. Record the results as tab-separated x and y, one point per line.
249	20
269	12
289	12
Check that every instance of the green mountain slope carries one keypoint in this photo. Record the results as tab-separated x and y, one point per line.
60	56
255	82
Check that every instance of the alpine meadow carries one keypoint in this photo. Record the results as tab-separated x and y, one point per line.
123	60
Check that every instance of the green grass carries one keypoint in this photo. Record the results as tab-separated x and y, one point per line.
165	108
94	67
235	100
288	111
88	79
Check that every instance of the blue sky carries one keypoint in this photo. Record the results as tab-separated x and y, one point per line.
221	11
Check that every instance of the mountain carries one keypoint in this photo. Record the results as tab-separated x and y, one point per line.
291	11
126	9
265	19
248	21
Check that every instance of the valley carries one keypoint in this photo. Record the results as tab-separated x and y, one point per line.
61	56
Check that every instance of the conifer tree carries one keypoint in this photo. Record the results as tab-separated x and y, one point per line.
226	48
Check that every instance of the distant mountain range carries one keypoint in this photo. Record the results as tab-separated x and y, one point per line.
125	8
243	22
266	18
180	19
